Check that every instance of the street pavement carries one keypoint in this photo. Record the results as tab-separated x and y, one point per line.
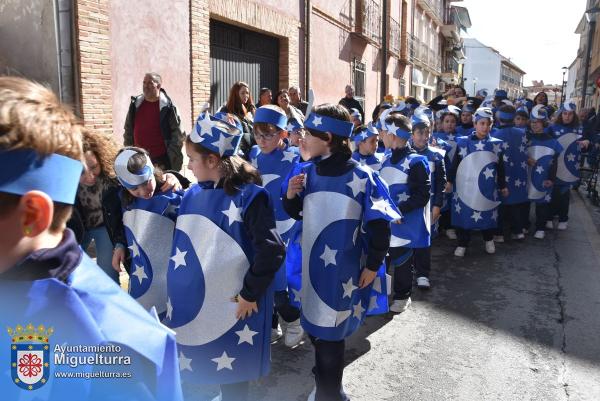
523	324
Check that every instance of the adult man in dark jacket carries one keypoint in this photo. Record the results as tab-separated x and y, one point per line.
153	123
350	102
296	99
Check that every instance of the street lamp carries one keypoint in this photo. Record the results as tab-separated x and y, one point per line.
564	86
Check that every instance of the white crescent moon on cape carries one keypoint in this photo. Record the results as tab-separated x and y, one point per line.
284	226
320	210
397	241
217	315
392	176
467	180
562	172
267	178
154	234
536	152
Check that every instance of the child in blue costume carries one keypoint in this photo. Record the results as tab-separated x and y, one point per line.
514	146
52	295
477	173
366	139
219	299
449	118
147	221
437	178
274	159
465	127
543	150
407	174
295	129
346	212
568	132
522	118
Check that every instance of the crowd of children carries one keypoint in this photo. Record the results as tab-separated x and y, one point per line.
300	233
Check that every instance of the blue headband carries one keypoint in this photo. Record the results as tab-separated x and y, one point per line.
365	133
322	123
23	170
502	115
128	179
294	125
270	116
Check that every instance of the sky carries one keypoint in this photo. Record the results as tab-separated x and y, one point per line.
537	35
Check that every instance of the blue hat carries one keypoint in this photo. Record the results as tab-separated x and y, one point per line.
420	119
568	106
451	109
354	113
294	125
228	118
380	123
24	170
482	93
401	107
529	104
424	110
332	125
505	116
268	115
539	112
216	135
523	109
483	112
487	103
500	93
468	107
128	179
368	131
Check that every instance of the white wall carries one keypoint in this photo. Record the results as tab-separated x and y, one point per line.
572	77
482	63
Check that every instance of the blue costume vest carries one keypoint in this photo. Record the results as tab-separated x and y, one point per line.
567	173
335	210
149	226
415	230
543	151
90	309
216	253
476	198
373	161
515	164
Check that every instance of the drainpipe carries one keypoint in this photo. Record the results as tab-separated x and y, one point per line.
58	48
588	54
384	49
307	18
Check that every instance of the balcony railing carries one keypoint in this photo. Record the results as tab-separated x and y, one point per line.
395	36
420	53
368	21
435	9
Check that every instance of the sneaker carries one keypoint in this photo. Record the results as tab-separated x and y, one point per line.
400	305
550	225
312	395
460	251
293	333
562	225
423	283
517	236
525	231
539	234
451	233
490	247
276	334
499	238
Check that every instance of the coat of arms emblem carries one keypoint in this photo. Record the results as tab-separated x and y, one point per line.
30	350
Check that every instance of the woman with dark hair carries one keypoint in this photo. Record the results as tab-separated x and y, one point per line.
282	99
240	105
265	96
542	98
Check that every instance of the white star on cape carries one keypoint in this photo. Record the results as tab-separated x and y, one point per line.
451	137
134	250
539	169
522	148
296	294
507	178
523	164
169	309
288	156
184	363
246	335
489	173
403	197
349	287
479	146
223	362
405	164
571	157
377	284
140	273
373	303
505	145
179	258
317	121
233	213
357	184
476	216
463	152
494	215
518	183
496	147
548	198
358	310
457	208
328	256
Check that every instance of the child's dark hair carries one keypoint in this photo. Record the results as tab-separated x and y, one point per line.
235	170
399	120
506	108
522	113
456	117
337	144
135	164
574	123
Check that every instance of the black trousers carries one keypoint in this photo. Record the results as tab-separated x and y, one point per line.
422	261
525	210
235	391
403	272
464	236
511	216
559	206
329	369
286	310
542	215
445	220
